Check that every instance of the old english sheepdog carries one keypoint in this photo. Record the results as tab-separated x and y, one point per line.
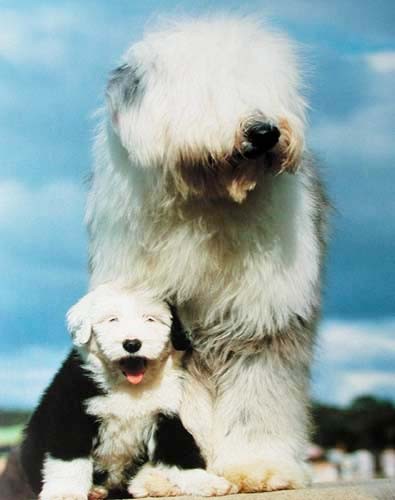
109	422
203	190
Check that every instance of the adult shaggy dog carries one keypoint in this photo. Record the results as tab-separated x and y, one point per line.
203	190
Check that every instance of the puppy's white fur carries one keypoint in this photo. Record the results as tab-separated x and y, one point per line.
107	316
66	480
100	322
240	259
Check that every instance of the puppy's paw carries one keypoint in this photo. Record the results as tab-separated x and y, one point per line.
152	483
264	476
98	493
201	483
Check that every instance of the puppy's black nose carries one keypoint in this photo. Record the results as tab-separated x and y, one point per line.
260	138
131	345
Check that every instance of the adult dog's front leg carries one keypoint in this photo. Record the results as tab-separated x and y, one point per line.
261	419
161	480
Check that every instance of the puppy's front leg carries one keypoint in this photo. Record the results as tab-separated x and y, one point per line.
66	479
177	466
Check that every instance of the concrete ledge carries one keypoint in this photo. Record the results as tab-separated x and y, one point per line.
13	486
379	489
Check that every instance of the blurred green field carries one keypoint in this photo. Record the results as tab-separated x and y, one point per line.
12	423
11	434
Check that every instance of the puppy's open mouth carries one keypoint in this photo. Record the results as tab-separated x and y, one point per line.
133	368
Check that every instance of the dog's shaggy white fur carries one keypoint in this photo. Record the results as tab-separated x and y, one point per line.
187	201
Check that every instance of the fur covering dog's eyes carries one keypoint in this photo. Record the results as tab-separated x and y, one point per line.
149	319
113	319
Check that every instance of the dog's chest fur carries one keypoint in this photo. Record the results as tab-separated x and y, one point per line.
127	422
120	443
251	271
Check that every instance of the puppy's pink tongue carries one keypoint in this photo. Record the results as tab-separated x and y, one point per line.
135	378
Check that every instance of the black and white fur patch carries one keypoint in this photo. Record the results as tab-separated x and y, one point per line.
61	429
94	428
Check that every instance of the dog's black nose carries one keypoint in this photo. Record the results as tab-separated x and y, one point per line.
131	345
260	138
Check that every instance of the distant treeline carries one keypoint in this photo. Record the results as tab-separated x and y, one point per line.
13	417
368	422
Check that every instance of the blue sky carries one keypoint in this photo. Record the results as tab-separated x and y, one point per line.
54	59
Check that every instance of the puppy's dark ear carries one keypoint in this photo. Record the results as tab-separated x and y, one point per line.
178	335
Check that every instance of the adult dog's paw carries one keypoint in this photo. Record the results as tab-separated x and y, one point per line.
172	481
264	476
98	493
150	482
201	483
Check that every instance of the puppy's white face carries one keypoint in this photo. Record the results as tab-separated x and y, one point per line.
128	331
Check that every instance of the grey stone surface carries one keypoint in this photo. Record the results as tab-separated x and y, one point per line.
14	487
379	489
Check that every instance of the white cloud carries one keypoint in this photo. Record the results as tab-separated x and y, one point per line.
342	340
22	206
43	240
35	35
26	373
382	62
63	36
355	358
366	382
366	134
363	18
43	217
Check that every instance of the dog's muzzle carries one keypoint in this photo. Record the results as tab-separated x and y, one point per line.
132	345
236	174
259	138
133	368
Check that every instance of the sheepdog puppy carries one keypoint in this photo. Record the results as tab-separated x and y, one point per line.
204	190
109	420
